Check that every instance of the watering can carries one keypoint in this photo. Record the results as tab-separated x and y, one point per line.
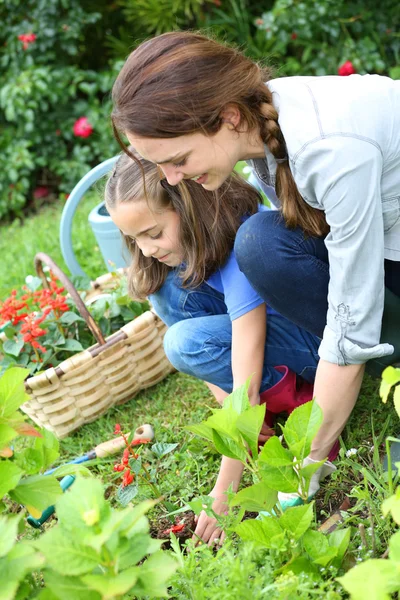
107	235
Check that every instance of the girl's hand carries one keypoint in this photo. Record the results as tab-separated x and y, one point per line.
207	527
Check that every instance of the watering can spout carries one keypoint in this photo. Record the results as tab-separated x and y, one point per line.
107	234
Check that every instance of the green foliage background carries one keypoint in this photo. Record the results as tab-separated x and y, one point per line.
68	71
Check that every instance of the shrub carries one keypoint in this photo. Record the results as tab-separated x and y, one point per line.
44	92
317	38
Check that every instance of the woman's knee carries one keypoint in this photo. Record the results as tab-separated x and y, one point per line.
256	242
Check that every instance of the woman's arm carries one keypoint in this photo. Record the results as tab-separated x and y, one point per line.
248	343
336	390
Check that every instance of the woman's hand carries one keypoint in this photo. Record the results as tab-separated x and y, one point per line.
207	528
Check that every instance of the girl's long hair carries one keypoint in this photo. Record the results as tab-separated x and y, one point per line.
206	231
179	83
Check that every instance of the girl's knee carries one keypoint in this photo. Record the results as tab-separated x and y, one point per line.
177	341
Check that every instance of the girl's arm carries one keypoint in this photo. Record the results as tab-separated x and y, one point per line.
248	343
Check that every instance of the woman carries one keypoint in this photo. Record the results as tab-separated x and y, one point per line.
326	150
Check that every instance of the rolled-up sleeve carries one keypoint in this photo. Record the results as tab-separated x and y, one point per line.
341	175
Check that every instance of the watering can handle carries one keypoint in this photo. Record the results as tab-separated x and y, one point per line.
69	210
83	311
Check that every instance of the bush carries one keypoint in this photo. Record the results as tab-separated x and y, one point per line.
317	38
44	93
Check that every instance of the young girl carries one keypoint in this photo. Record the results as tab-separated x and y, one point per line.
220	331
326	150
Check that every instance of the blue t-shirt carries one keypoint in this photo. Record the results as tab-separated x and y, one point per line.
240	298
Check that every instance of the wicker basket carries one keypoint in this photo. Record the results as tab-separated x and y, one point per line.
109	373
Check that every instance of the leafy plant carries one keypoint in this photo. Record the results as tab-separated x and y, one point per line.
94	551
317	38
42	326
234	432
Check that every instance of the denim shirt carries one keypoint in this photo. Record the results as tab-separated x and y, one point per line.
343	141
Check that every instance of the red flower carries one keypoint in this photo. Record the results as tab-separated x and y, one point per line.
26	39
117	429
137	442
41	192
294	35
118	467
82	128
259	21
174	528
346	68
128	478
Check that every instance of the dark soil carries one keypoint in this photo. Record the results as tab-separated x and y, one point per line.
162	528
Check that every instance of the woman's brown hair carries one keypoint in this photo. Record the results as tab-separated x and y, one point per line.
179	83
205	240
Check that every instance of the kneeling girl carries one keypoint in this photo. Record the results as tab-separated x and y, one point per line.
219	330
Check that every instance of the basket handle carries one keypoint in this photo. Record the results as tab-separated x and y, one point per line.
40	258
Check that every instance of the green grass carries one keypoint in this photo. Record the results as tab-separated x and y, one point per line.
22	239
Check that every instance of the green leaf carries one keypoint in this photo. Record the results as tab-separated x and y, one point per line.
65	554
154	575
317	546
30	461
7	434
374	578
394	547
394	72
68	588
110	586
127	493
392	505
315	543
12	391
396	399
249	424
48	445
202	430
274	454
72	345
256	498
228	447
20	560
281	479
297	520
238	400
340	540
70	317
143	545
224	421
8	532
161	449
83	506
10	475
262	532
33	283
301	428
37	492
390	377
13	347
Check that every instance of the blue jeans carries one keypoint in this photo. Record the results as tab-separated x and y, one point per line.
199	339
290	270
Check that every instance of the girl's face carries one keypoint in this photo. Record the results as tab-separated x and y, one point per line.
208	160
155	233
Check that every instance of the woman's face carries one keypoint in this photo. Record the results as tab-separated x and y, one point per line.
155	233
208	160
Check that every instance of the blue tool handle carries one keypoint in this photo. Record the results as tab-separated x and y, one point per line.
81	459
